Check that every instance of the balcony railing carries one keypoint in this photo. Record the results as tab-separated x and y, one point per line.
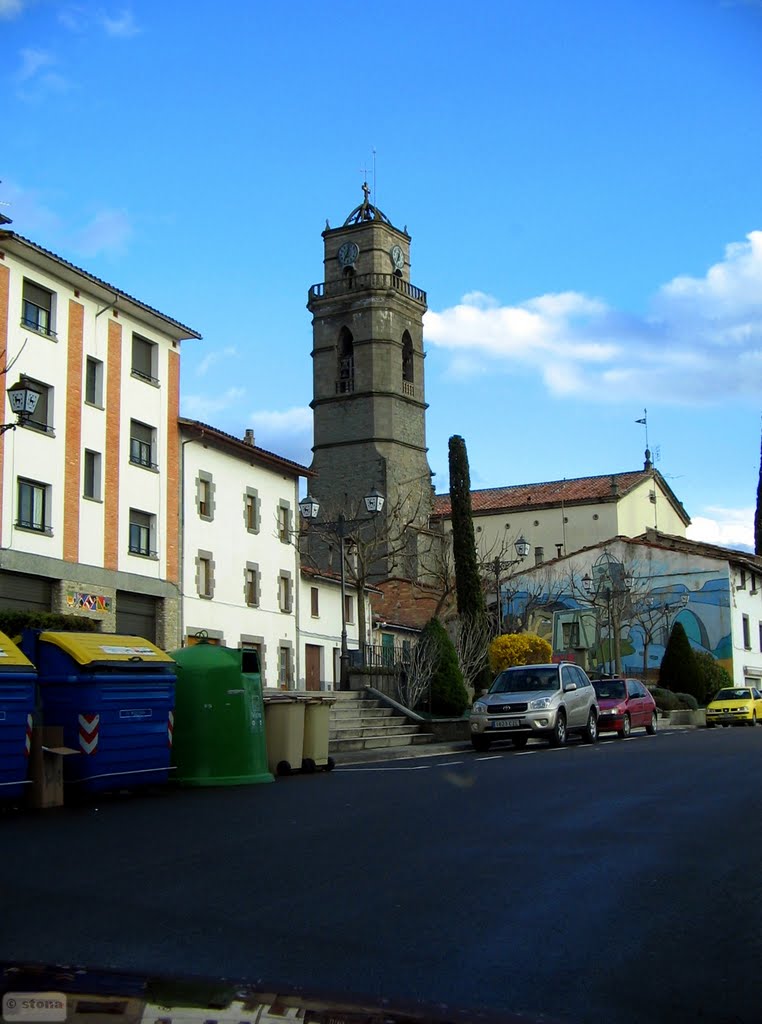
367	282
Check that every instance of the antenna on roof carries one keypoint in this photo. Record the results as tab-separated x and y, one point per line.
375	193
648	464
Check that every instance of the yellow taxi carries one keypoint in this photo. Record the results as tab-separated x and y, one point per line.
741	706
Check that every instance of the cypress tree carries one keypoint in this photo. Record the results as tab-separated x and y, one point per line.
758	516
677	671
467	580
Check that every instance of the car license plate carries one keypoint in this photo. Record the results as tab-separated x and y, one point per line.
507	723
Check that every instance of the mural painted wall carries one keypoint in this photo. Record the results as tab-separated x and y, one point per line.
583	603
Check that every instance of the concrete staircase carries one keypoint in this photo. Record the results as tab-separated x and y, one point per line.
362	722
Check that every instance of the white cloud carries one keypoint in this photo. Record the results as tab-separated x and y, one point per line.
79	18
74	17
728	527
206	407
11	8
123	26
701	339
214	357
33	61
36	77
288	433
291	421
108	231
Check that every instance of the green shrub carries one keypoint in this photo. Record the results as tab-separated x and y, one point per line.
448	694
687	701
666	700
712	676
13	622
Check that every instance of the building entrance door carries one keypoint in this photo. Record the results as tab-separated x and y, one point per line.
312	666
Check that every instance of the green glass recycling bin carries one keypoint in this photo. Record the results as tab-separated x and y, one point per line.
219	720
284	726
317	720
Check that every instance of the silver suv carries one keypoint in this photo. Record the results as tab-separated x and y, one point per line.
536	700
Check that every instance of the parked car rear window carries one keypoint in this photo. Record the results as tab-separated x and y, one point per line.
518	680
610	689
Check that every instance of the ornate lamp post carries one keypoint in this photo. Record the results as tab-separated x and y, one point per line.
499	566
24	400
610	583
309	508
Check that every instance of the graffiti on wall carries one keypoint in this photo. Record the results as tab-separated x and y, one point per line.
78	601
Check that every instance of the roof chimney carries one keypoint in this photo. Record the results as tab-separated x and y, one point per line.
614	486
248	437
539	556
648	464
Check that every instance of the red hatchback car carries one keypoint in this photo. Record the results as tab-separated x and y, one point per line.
625	704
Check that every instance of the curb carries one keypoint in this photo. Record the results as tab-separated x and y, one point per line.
414	753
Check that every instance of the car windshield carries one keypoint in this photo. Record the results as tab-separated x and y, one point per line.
610	689
733	695
519	680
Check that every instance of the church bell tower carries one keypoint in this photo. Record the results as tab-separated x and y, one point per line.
368	402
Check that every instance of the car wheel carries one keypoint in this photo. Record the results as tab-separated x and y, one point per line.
753	721
519	741
651	727
710	725
590	732
624	732
480	743
558	736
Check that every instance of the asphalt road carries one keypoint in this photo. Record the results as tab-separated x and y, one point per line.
616	883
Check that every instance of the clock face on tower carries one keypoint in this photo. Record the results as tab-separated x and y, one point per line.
398	257
348	254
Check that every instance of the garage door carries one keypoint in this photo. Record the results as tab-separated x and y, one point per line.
136	615
25	593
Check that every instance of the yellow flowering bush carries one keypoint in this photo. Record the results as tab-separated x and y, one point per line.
518	649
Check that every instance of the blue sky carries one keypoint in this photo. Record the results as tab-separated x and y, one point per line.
582	182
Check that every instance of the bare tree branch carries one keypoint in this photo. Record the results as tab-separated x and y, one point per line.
414	672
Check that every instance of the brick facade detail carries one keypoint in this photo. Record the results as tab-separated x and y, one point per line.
113	441
72	472
173	469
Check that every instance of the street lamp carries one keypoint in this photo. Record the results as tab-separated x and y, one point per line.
499	566
612	582
309	508
24	399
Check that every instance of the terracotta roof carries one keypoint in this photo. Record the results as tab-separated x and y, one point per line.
664	541
699	547
242	449
549	494
181	329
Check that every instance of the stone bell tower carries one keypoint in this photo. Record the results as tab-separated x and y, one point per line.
369	402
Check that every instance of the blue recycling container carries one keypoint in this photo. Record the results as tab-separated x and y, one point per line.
114	698
17	699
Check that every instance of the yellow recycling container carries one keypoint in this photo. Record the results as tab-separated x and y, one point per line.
284	732
317	719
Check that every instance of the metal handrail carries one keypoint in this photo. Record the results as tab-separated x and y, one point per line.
367	282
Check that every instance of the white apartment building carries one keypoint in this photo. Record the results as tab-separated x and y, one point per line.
240	557
89	500
320	627
243	585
